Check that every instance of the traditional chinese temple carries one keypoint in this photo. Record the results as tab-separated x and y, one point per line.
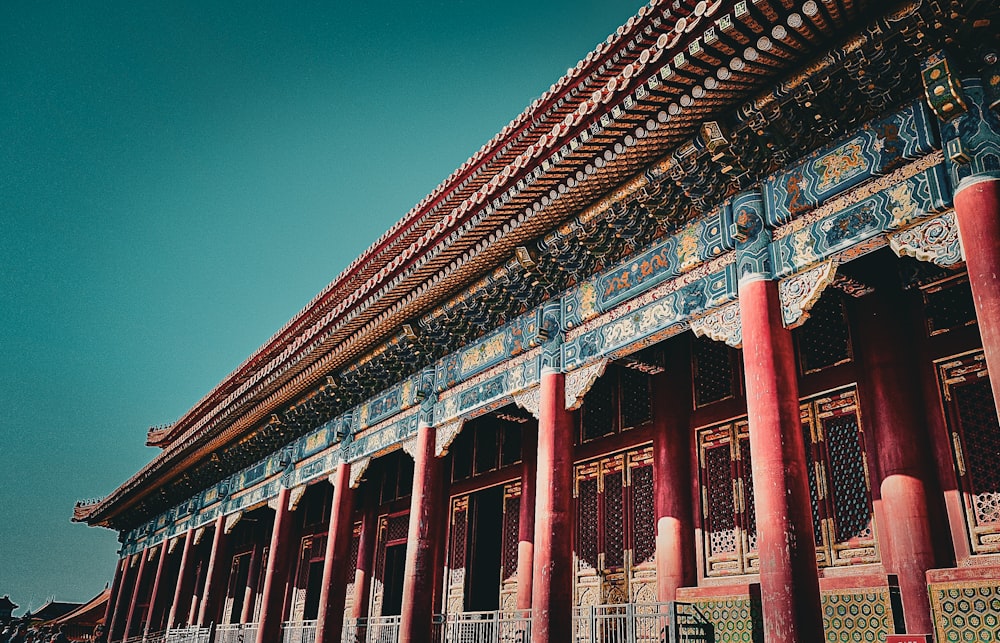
696	348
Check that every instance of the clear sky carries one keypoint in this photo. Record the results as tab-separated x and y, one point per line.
178	179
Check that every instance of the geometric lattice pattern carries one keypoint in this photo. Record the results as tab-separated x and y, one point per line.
721	518
862	617
586	547
713	371
511	524
614	527
643	515
977	415
824	340
968	611
849	616
949	305
851	505
735	620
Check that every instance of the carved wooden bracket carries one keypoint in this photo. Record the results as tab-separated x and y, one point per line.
198	535
580	381
294	496
445	435
231	521
358	469
722	325
800	292
935	241
410	446
529	399
173	544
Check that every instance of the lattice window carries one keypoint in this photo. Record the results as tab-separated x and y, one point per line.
635	404
839	489
615	524
614	521
485	444
643	514
948	305
824	340
587	535
619	400
975	437
714	373
397	528
511	525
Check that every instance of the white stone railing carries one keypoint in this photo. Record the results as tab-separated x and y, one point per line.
298	632
236	633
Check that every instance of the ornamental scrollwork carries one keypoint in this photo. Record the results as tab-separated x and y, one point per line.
529	400
358	468
231	521
722	325
798	293
445	435
580	381
935	241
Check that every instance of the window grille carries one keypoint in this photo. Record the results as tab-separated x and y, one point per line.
975	442
839	489
714	375
948	305
824	340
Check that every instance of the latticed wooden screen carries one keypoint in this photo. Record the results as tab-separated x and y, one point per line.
975	441
509	543
839	489
313	549
392	530
352	561
615	534
824	340
457	553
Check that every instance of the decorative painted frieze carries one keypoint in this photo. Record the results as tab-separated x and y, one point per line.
935	240
878	147
883	205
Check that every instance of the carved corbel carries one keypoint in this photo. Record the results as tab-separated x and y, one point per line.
410	446
445	435
721	325
358	469
580	381
799	293
294	496
529	399
173	544
231	521
198	535
151	554
935	241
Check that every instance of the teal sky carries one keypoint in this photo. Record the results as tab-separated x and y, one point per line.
178	179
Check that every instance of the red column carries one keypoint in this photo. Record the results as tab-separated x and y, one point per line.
366	561
155	596
526	516
131	622
894	409
250	591
977	209
330	624
552	577
789	580
120	613
426	519
671	407
184	576
214	581
116	582
269	628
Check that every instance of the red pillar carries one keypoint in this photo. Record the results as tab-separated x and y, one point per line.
131	622
671	407
789	580
426	519
552	577
366	561
526	516
184	576
214	581
894	408
158	585
330	624
977	209
116	582
269	627
250	591
120	613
